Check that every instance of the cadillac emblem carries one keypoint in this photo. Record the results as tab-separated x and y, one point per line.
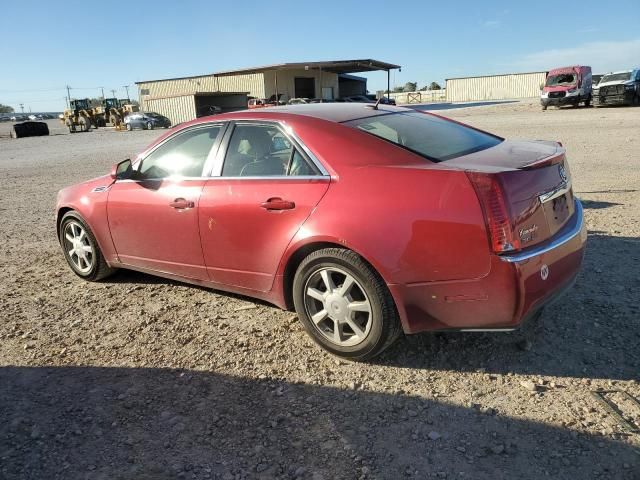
544	272
563	173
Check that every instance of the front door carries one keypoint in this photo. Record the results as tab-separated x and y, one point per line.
153	217
250	212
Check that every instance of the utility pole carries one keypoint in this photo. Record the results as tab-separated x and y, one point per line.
113	92
126	87
102	88
22	107
69	95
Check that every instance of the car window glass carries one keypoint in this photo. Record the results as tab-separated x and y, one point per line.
299	166
256	150
182	156
432	137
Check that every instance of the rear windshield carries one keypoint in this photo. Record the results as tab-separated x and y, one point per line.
616	77
432	137
561	79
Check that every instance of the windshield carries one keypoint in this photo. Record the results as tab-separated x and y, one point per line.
152	114
561	79
432	137
616	77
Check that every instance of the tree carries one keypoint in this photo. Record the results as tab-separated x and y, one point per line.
410	87
5	109
435	86
398	89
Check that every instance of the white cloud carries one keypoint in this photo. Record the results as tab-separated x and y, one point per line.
604	56
491	23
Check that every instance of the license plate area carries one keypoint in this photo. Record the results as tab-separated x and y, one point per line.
558	211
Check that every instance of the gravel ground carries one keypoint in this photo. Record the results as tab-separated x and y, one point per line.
139	377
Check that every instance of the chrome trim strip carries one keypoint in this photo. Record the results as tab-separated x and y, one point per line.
324	178
555	193
572	230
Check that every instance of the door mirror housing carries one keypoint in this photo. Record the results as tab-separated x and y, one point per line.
121	170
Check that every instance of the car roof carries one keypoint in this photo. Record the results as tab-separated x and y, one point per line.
336	112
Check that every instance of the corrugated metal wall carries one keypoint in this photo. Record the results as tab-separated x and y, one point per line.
251	83
286	82
495	87
177	109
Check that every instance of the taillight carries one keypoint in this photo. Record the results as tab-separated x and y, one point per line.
496	212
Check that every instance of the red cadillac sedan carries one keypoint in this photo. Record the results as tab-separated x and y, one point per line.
368	220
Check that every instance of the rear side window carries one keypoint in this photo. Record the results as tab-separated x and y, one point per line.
431	137
263	151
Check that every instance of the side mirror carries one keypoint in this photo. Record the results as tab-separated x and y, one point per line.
122	170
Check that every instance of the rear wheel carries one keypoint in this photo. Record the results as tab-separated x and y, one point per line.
81	249
587	102
344	305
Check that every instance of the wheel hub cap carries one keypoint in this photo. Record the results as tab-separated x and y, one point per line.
338	306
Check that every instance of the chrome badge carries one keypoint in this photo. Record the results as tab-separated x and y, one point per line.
563	173
528	233
544	271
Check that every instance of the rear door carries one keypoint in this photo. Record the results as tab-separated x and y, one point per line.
153	217
263	189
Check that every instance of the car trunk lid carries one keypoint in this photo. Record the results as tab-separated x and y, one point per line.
524	188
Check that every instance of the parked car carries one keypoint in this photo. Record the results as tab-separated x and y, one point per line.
567	86
619	88
146	120
368	221
384	100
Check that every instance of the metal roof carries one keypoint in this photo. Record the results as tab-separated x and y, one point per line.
332	66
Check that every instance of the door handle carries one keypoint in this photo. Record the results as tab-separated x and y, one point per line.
181	204
278	204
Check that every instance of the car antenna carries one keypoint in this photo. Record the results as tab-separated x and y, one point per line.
375	107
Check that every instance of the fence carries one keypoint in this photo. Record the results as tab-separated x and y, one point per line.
424	96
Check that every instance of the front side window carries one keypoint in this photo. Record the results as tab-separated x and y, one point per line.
429	136
182	156
263	151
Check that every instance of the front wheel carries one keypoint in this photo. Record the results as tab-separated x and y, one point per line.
149	125
81	249
344	305
128	127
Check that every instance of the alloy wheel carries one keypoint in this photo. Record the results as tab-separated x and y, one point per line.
78	247
338	306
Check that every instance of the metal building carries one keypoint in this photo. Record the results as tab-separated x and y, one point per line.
176	98
495	87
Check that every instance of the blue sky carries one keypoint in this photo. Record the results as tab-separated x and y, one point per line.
49	44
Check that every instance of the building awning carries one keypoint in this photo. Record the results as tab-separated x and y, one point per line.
334	66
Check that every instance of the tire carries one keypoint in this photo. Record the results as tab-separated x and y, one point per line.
129	127
85	124
544	107
361	334
587	102
94	267
149	125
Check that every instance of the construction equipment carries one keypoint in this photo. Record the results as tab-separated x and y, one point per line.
78	116
113	111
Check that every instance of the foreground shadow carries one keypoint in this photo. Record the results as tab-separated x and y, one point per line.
117	423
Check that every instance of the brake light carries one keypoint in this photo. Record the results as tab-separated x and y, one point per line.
496	212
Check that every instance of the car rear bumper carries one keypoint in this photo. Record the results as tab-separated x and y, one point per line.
516	287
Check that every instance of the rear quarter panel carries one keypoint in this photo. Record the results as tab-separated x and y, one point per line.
413	225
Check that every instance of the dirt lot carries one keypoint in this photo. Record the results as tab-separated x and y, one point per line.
138	377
